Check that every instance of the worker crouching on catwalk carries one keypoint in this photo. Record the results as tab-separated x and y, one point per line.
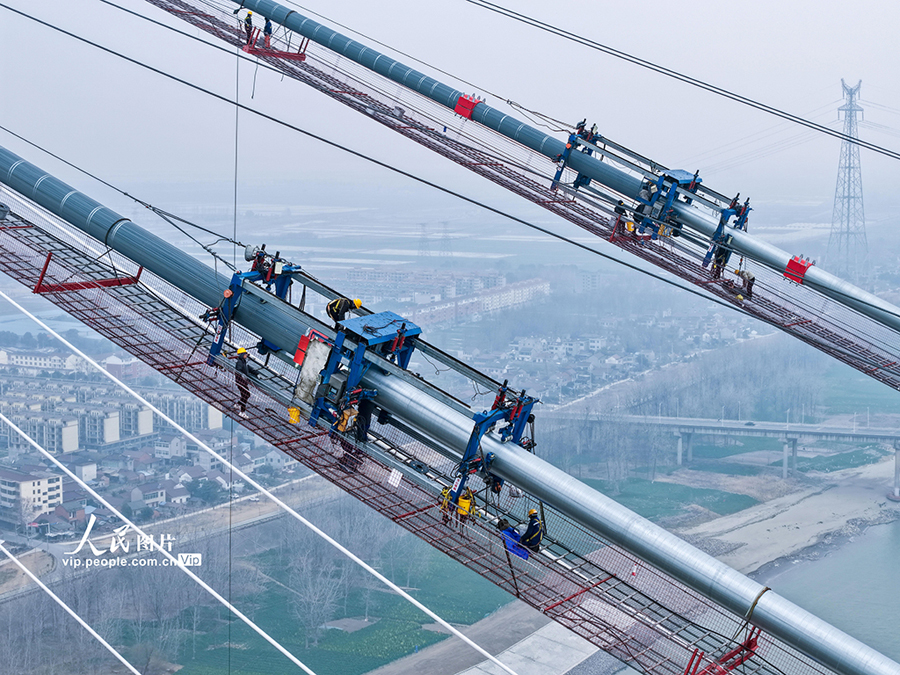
242	373
337	309
749	279
534	533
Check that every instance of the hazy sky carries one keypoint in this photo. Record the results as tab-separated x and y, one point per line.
133	126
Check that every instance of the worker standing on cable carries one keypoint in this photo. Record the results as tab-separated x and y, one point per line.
749	279
534	533
337	309
248	26
267	33
242	373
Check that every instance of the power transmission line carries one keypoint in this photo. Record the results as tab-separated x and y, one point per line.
674	74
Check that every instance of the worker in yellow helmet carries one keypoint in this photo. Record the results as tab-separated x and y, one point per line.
337	309
248	26
535	532
242	373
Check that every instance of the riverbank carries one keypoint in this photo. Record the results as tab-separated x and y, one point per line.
800	523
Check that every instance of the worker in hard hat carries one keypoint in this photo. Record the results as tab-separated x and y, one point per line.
337	309
242	373
749	279
534	533
445	505
267	33
248	26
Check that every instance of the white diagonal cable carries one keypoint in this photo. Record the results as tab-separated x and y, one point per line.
172	559
359	561
71	612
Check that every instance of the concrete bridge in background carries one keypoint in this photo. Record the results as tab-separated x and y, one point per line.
685	428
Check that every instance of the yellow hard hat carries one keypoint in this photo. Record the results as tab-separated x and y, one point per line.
533	512
740	298
241	350
737	271
358	303
249	13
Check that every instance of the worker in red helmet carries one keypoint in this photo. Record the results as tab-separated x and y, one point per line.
242	373
534	533
337	309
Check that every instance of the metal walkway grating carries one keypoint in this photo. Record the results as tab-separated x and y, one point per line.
634	612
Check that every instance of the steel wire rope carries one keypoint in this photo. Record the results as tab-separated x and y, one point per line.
468	133
743	140
668	72
174	562
368	158
69	610
560	126
249	481
497	211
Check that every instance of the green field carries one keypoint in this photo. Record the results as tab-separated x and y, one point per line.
454	592
745	444
730	468
664	500
841	460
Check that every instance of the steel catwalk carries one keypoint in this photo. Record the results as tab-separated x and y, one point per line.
278	323
620	181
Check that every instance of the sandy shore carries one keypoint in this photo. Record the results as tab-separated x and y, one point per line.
792	524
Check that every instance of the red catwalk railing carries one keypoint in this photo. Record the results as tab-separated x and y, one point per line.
827	325
592	587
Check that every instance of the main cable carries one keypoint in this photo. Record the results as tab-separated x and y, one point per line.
668	72
378	162
249	481
165	215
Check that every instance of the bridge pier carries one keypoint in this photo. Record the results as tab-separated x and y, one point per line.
685	442
894	495
790	444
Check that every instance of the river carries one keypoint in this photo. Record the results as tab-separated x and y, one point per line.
856	587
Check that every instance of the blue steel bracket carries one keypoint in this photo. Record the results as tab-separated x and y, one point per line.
484	421
385	333
562	159
516	416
